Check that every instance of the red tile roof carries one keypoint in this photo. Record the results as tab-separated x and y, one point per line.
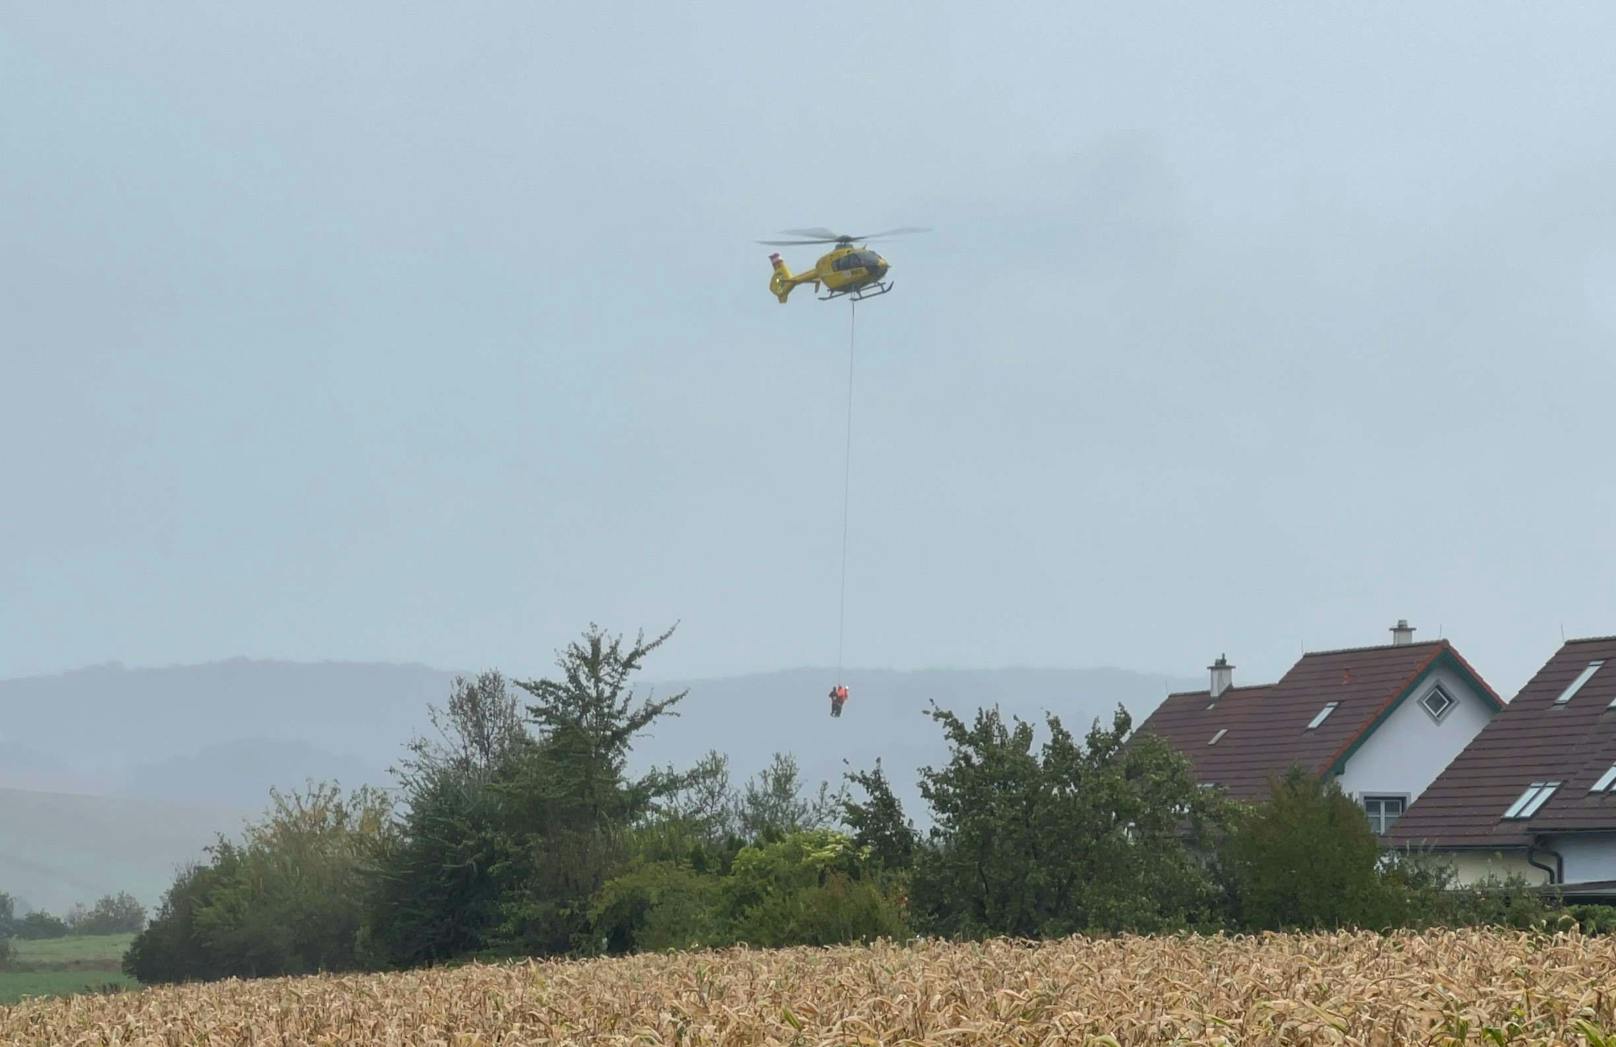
1532	740
1267	725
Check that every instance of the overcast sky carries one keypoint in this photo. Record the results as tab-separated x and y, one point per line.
363	332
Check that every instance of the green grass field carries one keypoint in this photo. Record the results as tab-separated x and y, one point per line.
88	948
63	966
14	985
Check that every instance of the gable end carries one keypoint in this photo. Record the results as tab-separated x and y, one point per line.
1445	657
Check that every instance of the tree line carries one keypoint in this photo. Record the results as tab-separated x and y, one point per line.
517	829
119	913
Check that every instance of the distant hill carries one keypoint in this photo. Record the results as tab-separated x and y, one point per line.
175	755
228	730
57	849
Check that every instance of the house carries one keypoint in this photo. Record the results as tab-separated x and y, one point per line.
1382	721
1535	793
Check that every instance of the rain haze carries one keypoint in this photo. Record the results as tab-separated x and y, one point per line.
408	335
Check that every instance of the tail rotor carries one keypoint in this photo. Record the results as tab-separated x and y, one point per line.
780	283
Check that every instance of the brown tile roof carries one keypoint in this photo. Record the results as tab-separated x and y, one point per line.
1533	739
1267	725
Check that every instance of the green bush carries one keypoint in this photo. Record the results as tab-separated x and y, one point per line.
172	949
810	888
1499	902
39	925
286	900
837	911
658	906
1422	891
1307	859
1593	919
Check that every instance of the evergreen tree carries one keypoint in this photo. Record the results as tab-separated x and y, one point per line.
878	823
433	891
568	802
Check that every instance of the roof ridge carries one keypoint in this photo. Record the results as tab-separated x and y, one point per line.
1232	687
1586	639
1381	647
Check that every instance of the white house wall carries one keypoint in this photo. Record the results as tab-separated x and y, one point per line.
1409	749
1471	867
1587	858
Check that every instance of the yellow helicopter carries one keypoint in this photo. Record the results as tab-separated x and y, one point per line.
846	272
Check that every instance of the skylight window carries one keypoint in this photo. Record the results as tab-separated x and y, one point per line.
1324	714
1437	703
1536	795
1606	780
1221	732
1576	685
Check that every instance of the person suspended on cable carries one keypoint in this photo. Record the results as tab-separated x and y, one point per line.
838	698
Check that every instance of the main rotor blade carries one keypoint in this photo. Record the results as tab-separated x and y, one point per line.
818	232
797	243
902	230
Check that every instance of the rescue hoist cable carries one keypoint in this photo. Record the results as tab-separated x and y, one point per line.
847	483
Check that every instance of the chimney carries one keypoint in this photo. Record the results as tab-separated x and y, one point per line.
1402	633
1222	676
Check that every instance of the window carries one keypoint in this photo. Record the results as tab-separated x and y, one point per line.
1221	732
1606	780
1536	795
1324	714
1437	702
1576	685
1383	812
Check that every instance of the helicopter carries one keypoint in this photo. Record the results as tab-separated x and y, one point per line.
845	272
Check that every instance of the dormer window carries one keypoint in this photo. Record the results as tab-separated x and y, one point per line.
1437	702
1324	714
1576	685
1532	800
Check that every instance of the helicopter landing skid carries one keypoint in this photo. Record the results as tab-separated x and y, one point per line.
867	291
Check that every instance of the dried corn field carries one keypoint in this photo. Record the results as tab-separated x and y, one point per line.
1481	987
